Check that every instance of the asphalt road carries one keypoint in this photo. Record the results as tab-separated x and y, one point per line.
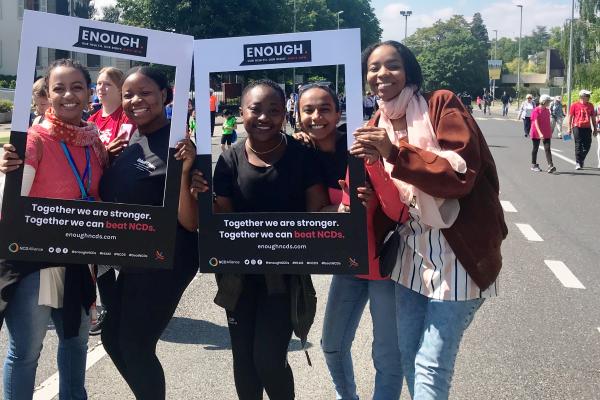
538	340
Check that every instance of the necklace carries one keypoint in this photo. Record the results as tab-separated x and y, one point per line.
268	151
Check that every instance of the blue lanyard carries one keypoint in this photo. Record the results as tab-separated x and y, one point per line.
87	173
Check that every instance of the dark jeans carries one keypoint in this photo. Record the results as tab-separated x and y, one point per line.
536	146
260	329
583	142
292	120
143	305
504	109
527	125
213	115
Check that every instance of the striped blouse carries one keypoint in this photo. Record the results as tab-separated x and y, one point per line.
427	265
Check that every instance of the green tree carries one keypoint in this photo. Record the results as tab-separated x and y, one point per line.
451	57
111	14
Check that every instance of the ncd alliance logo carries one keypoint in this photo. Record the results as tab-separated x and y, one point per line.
13	248
115	42
277	53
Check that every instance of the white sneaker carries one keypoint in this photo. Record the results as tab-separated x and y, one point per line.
577	166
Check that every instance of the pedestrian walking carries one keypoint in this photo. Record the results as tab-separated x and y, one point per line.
348	295
478	101
598	130
446	264
541	130
290	107
582	123
57	152
525	113
265	172
557	116
368	105
487	102
505	99
229	127
213	111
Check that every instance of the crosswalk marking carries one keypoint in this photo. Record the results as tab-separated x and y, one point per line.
507	206
564	274
529	233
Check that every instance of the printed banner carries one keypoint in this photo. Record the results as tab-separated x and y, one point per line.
78	231
495	69
280	242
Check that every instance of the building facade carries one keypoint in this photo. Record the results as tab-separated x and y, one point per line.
11	21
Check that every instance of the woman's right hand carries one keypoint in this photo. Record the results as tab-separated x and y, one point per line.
304	138
199	184
115	147
10	159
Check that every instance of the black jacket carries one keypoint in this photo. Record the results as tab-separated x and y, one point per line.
79	290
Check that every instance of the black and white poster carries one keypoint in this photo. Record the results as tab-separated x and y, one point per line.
280	242
78	231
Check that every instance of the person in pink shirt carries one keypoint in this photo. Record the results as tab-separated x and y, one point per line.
541	130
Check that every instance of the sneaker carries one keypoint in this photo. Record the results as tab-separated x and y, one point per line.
96	328
551	169
577	166
536	168
560	135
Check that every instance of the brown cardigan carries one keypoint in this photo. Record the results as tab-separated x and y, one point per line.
476	235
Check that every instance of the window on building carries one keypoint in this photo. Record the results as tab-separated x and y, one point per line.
93	61
32	5
58	54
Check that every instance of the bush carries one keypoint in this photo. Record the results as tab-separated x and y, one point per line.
12	84
5	106
3	84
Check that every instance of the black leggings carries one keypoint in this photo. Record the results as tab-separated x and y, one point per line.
260	329
527	125
536	146
143	305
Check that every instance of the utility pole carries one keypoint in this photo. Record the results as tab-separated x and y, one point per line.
405	14
337	67
294	69
495	58
570	64
519	59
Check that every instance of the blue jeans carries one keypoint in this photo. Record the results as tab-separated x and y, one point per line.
27	323
431	331
348	296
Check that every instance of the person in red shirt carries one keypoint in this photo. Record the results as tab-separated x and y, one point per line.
114	126
213	111
581	123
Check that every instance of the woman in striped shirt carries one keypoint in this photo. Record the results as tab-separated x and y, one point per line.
449	256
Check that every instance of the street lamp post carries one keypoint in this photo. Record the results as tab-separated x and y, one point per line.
570	64
294	69
495	58
519	59
337	67
405	14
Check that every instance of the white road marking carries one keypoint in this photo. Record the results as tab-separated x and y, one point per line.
567	159
599	329
529	233
560	151
507	206
564	274
48	389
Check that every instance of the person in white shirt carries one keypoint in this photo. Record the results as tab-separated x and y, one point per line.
525	113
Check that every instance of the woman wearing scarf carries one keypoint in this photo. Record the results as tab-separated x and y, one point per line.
64	159
449	255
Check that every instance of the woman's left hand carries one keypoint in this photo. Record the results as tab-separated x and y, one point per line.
185	151
375	137
365	194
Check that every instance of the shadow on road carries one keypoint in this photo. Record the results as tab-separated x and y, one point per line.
212	336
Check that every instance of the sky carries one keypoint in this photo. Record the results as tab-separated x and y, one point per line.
497	14
502	15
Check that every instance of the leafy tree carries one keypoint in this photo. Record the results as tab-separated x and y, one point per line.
451	57
111	14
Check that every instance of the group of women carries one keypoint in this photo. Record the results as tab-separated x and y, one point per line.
431	181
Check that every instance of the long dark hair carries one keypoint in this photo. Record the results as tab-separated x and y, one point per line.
411	65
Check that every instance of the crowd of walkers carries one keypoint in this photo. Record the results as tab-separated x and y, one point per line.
432	209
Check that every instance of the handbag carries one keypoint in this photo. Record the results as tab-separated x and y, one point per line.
566	137
388	255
